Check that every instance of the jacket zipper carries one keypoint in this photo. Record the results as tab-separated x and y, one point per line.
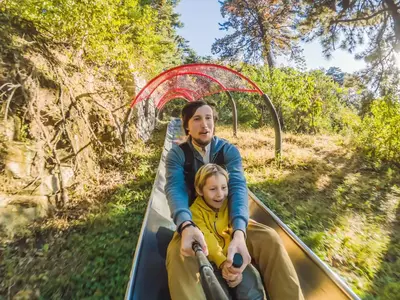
216	231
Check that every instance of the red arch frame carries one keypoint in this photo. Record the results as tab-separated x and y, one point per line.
177	97
189	73
140	98
176	93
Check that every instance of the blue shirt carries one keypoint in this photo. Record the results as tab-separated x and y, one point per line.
176	191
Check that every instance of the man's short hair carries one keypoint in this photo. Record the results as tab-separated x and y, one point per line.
190	109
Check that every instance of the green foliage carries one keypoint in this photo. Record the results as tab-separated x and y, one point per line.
337	74
124	35
246	106
306	102
173	108
379	134
391	290
248	114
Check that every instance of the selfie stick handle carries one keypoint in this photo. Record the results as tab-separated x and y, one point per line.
210	283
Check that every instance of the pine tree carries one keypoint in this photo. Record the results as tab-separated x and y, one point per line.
352	25
262	30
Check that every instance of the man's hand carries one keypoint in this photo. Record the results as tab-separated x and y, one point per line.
190	235
237	245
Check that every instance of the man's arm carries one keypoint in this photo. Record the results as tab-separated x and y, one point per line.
238	197
215	251
175	187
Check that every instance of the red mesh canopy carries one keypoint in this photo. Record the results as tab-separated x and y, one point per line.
193	82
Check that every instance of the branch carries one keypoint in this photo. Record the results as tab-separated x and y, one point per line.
14	88
86	121
121	107
110	112
52	147
77	152
361	18
127	121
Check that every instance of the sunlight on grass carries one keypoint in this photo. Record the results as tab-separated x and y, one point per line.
323	182
355	248
342	207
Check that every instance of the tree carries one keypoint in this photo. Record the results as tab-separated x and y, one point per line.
337	74
349	24
358	95
262	29
124	35
306	102
188	54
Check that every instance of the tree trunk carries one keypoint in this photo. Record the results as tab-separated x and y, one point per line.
267	51
269	58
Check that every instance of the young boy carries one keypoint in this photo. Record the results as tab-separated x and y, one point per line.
210	214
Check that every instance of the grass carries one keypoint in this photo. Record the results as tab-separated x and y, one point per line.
345	208
86	250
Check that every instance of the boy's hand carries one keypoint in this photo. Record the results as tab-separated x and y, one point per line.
232	279
235	282
229	273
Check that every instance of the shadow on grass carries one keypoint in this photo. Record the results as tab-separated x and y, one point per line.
327	201
386	283
93	257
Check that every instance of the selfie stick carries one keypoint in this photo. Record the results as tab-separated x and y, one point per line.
211	286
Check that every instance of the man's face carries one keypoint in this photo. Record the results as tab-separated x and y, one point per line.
201	126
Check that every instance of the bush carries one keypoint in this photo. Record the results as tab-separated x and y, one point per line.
379	134
306	102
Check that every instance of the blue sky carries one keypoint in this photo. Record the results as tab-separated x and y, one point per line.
201	18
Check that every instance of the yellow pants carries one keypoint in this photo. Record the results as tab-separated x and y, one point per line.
265	248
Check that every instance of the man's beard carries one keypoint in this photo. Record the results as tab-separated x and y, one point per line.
200	142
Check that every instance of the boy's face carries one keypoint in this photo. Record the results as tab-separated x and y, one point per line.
215	191
201	126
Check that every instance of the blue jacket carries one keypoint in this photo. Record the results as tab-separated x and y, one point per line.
175	187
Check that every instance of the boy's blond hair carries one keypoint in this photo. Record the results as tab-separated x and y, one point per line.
206	172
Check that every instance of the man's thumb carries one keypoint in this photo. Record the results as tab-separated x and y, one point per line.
229	259
203	245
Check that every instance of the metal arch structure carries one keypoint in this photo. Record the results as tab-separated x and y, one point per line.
196	81
172	78
174	97
175	94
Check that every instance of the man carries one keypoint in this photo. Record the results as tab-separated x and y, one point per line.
249	237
